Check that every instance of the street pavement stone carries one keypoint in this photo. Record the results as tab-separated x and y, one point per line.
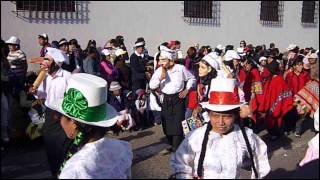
28	159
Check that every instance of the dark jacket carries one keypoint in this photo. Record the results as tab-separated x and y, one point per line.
138	77
113	101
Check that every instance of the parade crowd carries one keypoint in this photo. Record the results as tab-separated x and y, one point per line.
230	92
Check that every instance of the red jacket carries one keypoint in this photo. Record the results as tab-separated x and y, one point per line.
296	82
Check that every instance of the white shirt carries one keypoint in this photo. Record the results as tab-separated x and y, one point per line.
174	81
103	159
53	88
224	155
153	105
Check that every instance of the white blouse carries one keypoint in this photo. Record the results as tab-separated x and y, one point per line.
103	159
224	155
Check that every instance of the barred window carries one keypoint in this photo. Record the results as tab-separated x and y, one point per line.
59	6
198	9
202	12
269	11
308	12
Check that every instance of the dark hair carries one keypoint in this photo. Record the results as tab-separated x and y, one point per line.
218	51
73	42
65	43
192	52
273	68
207	79
244	42
298	60
178	42
272	45
92	50
140	39
85	132
229	47
55	44
236	113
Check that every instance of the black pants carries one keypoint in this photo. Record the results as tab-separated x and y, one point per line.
55	140
172	114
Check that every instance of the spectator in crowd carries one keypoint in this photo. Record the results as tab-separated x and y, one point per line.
137	65
124	71
55	44
43	40
91	63
18	65
107	70
75	54
70	64
91	154
154	105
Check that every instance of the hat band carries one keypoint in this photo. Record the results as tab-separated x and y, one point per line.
224	98
76	105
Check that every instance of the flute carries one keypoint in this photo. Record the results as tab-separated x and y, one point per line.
42	74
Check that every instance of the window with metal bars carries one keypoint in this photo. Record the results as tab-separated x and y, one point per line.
54	6
202	12
198	9
269	11
308	11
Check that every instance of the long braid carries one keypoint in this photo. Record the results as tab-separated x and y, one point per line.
242	128
203	151
76	145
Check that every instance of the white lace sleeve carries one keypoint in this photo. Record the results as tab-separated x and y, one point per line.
261	161
182	160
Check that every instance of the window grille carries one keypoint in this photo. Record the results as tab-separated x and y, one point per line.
309	14
271	13
52	11
202	12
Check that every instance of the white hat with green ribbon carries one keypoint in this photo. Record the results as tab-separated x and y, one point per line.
85	100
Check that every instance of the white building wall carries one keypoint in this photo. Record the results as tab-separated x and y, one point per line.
162	21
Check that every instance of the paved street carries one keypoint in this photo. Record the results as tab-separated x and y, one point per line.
28	160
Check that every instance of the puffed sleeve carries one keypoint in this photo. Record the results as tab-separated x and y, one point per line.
182	160
261	161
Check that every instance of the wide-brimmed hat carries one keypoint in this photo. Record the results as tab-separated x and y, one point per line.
230	55
114	86
57	55
211	61
164	56
313	56
44	36
120	52
106	52
63	41
13	40
220	47
291	47
223	95
85	100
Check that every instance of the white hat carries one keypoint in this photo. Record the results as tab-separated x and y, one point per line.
213	63
165	55
13	40
220	47
291	47
114	86
223	95
105	52
85	100
120	52
313	56
230	55
44	35
139	44
262	58
57	55
240	51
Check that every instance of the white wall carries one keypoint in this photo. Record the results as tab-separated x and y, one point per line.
162	21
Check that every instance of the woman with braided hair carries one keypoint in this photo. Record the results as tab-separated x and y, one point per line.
86	117
218	150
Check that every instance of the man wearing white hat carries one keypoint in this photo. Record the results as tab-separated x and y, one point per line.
18	65
138	67
43	40
218	149
52	88
171	78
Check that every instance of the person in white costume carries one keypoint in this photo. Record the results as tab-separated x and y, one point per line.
220	148
86	116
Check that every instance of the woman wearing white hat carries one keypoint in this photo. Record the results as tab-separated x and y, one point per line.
219	149
86	116
18	65
107	70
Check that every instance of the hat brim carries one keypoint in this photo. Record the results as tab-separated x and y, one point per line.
114	88
110	119
219	108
